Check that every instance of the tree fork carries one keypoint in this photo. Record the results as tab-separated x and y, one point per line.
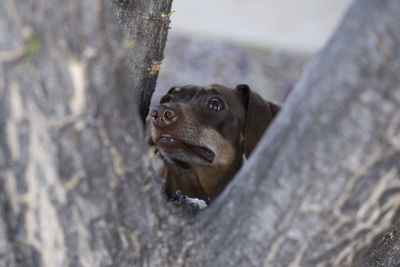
76	186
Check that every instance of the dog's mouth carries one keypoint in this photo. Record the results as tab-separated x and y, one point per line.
167	140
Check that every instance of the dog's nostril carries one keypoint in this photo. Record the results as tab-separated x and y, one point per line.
154	114
169	115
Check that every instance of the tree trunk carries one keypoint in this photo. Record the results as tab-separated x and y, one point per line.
76	185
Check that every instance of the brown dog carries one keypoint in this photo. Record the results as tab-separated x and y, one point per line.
202	133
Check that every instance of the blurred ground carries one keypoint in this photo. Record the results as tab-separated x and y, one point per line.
192	60
265	44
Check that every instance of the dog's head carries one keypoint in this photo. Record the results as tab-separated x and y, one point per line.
208	129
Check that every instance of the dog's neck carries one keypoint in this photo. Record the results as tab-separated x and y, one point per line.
202	182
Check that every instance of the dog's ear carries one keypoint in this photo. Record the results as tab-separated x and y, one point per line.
259	114
149	140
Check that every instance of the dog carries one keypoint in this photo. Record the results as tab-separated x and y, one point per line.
203	133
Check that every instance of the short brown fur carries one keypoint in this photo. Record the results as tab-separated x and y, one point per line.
202	133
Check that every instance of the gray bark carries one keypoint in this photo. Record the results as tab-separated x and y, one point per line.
76	186
145	25
74	176
386	249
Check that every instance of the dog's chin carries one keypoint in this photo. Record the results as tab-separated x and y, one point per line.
184	160
174	150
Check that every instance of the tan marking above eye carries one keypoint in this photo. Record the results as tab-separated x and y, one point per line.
176	89
173	90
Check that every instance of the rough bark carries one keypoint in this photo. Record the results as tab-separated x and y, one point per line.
71	149
76	187
386	249
145	24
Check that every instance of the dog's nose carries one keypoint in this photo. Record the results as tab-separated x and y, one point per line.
164	115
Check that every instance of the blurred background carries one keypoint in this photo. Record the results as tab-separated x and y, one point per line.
264	43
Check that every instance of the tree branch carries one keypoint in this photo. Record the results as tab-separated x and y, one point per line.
319	187
145	25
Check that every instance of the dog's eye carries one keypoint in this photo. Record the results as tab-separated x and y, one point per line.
165	99
216	104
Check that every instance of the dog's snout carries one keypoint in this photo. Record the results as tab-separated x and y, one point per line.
168	115
164	115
